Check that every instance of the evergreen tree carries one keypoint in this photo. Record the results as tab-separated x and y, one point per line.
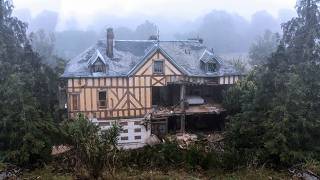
279	122
28	95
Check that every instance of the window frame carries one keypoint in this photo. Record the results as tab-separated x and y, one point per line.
124	138
77	97
154	63
99	101
123	123
124	131
100	68
104	123
215	67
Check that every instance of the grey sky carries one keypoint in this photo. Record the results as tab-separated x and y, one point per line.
85	11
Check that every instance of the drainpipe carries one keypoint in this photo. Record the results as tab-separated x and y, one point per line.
183	108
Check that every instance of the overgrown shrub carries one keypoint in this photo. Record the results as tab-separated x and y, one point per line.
94	150
170	155
159	156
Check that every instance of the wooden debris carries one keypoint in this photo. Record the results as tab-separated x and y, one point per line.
56	150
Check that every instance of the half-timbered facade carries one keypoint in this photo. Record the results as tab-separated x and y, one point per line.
126	80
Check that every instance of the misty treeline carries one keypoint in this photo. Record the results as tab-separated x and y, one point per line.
224	32
275	109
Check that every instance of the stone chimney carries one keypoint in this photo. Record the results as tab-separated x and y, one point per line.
110	39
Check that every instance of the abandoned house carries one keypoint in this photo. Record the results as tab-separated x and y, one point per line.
148	86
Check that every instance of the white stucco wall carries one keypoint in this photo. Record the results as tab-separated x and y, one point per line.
129	137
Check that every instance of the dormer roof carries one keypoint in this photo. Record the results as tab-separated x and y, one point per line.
208	56
95	57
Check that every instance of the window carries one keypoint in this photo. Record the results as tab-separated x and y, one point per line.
98	66
102	99
123	123
158	67
211	67
137	130
137	123
137	137
124	138
104	123
124	131
75	102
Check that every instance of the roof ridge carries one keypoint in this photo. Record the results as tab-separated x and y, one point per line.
146	40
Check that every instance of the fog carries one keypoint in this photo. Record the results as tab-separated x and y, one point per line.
227	27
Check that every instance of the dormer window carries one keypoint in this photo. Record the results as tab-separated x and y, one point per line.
209	63
211	67
98	66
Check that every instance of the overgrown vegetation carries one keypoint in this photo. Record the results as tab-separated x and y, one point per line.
28	93
94	150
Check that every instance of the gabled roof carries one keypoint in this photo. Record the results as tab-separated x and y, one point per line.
130	55
208	56
96	56
155	49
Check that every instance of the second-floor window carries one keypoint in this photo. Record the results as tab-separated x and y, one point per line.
102	99
158	67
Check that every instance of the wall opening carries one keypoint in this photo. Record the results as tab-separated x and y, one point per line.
165	95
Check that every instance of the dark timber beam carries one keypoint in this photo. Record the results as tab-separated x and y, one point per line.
182	106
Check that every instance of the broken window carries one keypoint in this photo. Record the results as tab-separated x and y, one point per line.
75	102
158	67
211	67
102	99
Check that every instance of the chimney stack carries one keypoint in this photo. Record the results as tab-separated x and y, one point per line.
110	38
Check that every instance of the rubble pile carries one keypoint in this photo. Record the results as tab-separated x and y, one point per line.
211	141
214	142
10	172
185	140
56	150
303	174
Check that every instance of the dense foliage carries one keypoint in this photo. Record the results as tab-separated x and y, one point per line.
276	108
28	95
94	149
